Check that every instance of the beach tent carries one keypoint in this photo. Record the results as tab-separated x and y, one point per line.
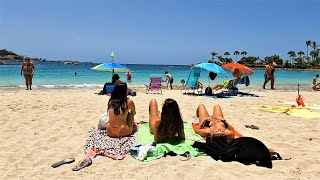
196	71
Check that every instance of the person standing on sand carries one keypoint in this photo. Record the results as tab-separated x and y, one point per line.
269	75
28	71
169	79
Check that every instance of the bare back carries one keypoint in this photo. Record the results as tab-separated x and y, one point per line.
122	124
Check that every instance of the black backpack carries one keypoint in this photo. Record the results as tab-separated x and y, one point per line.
212	75
208	91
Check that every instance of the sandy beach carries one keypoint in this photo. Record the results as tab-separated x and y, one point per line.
39	128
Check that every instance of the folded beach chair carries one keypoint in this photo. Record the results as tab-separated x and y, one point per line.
193	80
108	88
155	84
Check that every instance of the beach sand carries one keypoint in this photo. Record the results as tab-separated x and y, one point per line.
39	128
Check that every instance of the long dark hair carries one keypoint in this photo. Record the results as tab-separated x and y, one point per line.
171	124
115	77
118	99
218	140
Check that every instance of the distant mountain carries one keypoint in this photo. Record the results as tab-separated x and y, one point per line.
4	52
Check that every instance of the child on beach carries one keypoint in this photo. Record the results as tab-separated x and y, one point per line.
315	85
169	79
167	126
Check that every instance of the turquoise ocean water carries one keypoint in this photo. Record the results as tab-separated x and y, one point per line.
59	75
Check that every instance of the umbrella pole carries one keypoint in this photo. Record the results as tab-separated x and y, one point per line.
112	74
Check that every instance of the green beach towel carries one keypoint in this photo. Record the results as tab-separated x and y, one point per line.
145	137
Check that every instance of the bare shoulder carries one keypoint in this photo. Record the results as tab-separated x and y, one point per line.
130	102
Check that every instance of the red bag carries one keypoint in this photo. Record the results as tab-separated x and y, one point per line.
299	101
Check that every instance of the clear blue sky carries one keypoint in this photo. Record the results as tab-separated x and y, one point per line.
156	32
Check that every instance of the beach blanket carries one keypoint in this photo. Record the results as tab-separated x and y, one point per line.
310	106
226	94
301	112
100	143
144	137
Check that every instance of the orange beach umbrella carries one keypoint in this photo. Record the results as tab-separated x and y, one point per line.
244	70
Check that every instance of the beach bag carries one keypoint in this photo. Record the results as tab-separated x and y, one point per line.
212	75
233	91
208	91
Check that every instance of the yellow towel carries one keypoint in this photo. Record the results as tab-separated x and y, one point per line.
311	106
301	112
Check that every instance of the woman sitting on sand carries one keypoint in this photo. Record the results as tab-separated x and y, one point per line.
119	122
214	125
121	111
167	127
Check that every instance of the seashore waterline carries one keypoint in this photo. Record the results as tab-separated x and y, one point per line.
57	75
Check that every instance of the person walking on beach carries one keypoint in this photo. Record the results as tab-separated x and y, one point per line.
28	71
169	79
315	85
269	75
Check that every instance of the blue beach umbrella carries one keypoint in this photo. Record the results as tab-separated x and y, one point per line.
111	67
195	72
212	67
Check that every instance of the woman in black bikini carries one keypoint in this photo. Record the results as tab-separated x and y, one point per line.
214	125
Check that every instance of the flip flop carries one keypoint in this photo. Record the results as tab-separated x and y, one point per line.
64	161
252	127
184	157
82	164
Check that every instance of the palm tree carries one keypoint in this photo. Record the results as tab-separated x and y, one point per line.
236	53
243	53
314	54
213	54
308	43
226	54
291	54
300	53
314	45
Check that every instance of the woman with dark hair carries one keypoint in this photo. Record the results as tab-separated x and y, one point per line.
114	135
121	111
214	124
221	143
116	79
167	126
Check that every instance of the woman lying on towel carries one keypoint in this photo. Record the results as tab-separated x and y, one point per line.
222	145
213	125
167	126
